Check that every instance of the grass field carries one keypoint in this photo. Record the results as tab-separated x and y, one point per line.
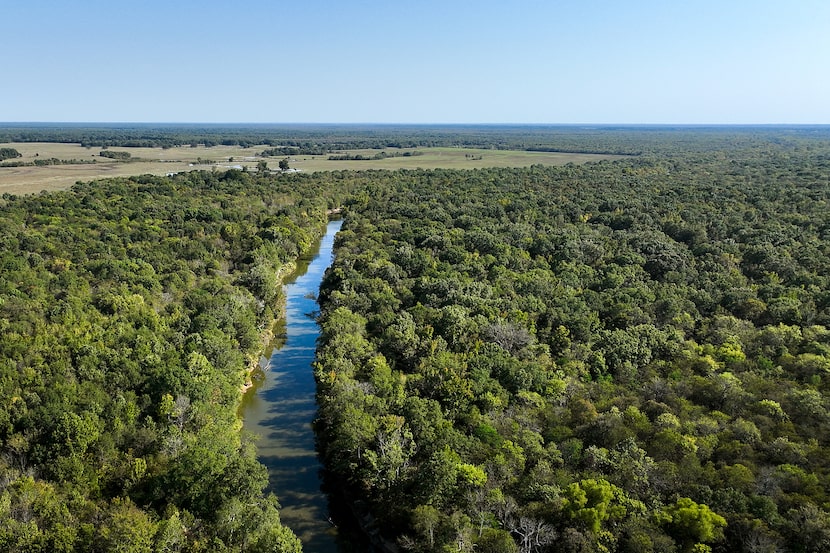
158	161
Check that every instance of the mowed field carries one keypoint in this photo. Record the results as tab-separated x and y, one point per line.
159	161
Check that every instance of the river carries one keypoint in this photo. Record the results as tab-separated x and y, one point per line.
281	407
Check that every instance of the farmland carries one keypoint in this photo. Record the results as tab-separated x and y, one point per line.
90	165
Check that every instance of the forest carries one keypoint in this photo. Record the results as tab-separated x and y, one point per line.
622	356
625	356
130	310
317	139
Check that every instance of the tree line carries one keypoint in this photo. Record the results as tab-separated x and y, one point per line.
320	139
112	154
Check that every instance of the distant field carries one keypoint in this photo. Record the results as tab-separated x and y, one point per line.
158	161
446	158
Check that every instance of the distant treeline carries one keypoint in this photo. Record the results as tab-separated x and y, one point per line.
304	149
121	156
379	155
323	139
47	161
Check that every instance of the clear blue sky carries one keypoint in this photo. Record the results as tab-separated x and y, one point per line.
426	61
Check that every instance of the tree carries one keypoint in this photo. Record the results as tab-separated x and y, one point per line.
593	502
284	164
425	519
9	153
262	166
126	528
692	523
496	540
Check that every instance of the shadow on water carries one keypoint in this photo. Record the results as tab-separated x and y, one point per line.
281	407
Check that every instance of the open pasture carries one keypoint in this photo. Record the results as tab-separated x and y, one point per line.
89	165
444	158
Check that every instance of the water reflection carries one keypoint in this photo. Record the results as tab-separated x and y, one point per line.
281	407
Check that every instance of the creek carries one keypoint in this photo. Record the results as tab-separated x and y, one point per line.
281	407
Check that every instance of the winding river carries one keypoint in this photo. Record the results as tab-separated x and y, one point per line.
281	407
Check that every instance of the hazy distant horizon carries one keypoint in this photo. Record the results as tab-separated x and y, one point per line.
281	125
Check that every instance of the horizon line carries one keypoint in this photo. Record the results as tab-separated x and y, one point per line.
407	124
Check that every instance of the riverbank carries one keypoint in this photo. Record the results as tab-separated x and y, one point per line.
280	407
267	335
284	274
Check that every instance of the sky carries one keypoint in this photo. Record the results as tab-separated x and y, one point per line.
425	61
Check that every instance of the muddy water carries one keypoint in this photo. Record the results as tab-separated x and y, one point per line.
281	407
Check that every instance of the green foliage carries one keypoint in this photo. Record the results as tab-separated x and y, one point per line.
593	503
9	153
509	359
130	310
599	340
494	540
692	523
121	156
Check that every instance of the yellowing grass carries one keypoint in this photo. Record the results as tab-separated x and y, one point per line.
159	161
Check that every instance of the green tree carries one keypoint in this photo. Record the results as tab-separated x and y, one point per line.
692	523
9	153
126	528
593	502
496	540
425	521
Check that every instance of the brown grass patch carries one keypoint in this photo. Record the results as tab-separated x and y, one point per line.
160	161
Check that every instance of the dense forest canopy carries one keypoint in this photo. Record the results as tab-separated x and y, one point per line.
621	356
129	312
627	356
